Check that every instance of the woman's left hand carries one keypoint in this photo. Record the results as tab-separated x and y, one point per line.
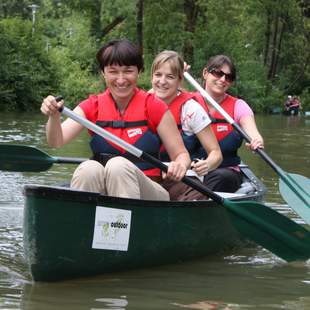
256	143
200	166
175	172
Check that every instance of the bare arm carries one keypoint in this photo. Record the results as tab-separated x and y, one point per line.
210	144
249	126
58	133
172	140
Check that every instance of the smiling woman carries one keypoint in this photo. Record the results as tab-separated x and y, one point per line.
191	118
219	75
129	113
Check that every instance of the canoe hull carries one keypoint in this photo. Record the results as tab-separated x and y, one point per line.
60	224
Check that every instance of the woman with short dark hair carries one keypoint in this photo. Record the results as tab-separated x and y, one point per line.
129	113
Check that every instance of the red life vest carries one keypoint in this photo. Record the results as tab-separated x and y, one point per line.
220	126
176	105
132	127
229	140
191	143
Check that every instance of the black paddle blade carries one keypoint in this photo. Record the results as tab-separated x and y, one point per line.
23	158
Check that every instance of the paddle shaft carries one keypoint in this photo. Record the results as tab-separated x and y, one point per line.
297	189
260	223
138	153
231	121
68	160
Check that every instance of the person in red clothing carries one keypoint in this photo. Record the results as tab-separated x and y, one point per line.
139	118
219	75
191	118
292	105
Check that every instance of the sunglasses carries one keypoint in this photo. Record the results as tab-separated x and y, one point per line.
219	73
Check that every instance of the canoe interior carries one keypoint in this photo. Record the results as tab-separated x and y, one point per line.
59	228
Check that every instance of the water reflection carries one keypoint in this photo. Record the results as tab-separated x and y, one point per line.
244	279
213	282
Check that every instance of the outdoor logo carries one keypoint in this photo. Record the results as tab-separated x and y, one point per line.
111	229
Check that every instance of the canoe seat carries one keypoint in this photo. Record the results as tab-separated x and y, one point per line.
246	188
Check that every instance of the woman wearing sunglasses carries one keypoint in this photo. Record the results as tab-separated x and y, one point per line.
219	74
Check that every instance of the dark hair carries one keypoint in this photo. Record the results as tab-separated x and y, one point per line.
218	61
120	52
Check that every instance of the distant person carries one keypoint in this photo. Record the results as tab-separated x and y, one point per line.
292	105
295	106
219	75
137	117
191	118
287	104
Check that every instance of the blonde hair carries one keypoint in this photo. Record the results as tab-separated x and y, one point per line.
173	58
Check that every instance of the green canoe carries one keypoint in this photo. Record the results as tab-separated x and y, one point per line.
69	233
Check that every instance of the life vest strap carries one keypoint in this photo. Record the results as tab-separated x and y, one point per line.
121	124
104	157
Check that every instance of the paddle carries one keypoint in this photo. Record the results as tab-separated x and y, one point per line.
263	225
293	187
26	158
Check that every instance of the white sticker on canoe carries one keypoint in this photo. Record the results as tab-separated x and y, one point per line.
112	229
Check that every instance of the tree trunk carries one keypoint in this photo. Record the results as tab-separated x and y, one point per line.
191	9
140	24
267	38
278	48
273	49
112	25
95	18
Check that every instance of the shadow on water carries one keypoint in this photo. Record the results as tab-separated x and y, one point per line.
234	282
244	279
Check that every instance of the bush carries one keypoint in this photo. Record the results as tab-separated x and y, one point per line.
25	71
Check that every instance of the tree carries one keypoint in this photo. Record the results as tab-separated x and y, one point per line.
25	71
191	10
140	24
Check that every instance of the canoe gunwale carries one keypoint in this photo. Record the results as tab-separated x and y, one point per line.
66	193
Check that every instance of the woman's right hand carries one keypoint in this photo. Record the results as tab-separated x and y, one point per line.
186	67
50	107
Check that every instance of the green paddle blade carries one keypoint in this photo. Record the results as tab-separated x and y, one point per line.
23	158
272	230
295	190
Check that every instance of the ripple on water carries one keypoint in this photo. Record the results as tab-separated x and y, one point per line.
13	270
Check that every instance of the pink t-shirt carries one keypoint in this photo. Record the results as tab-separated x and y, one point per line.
242	109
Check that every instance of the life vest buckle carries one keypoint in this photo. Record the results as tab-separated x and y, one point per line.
118	124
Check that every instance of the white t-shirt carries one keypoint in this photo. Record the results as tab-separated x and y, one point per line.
193	117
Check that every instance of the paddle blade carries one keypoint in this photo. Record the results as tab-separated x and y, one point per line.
23	158
295	190
270	229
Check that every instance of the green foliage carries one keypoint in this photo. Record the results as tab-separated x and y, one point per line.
305	99
73	58
25	71
59	58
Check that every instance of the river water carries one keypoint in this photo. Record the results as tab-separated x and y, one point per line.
241	279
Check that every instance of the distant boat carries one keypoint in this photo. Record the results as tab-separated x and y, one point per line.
291	111
275	110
